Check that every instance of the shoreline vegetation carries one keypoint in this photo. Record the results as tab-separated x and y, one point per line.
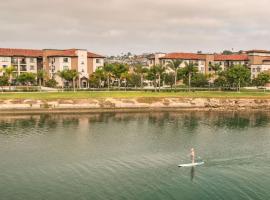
116	101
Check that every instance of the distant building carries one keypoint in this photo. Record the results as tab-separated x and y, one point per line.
256	60
52	61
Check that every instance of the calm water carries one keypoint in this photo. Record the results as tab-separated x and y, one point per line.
135	156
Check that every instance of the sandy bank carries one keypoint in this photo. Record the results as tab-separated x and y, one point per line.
128	104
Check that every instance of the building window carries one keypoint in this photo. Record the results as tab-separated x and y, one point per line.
4	59
65	60
32	60
14	60
82	63
32	67
253	69
209	69
97	60
82	70
4	66
258	69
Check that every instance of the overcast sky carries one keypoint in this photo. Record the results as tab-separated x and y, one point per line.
115	26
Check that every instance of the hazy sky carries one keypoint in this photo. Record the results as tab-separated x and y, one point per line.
115	26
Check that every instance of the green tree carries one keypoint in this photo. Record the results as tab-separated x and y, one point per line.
100	75
155	73
41	75
187	72
118	70
3	81
108	72
74	76
160	72
95	79
227	52
9	73
135	80
198	80
175	65
51	83
169	79
261	79
141	71
216	67
27	78
221	80
69	75
238	75
125	76
152	75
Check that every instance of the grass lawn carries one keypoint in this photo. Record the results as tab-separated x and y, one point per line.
117	94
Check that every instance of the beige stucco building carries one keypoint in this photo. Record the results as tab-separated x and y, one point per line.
52	61
256	60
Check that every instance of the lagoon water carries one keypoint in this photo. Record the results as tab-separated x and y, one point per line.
135	156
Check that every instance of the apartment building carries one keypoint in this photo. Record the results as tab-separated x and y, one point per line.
256	60
52	61
154	59
259	61
23	60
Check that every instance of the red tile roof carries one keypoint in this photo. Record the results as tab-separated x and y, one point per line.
184	56
93	55
49	52
233	57
20	52
61	53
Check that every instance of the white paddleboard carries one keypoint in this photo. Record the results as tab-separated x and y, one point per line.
191	164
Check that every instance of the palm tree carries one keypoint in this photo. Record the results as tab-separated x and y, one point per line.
125	77
74	75
62	75
216	67
99	73
9	72
160	71
152	75
190	69
41	74
139	69
155	73
108	71
174	65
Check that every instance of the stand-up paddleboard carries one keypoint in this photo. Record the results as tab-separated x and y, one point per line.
191	164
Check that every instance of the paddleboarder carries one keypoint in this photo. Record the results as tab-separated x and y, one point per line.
192	155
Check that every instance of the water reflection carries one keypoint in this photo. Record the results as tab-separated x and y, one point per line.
192	173
189	121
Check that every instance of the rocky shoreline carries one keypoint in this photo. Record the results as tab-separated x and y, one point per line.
131	104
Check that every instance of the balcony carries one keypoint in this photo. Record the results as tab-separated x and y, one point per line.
23	68
22	61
